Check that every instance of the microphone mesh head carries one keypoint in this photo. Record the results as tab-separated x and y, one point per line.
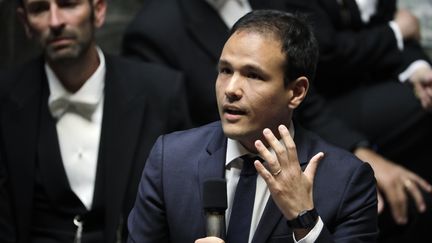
215	195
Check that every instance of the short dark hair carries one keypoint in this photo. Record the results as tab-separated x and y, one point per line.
20	3
295	34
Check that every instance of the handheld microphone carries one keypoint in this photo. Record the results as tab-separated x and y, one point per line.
215	204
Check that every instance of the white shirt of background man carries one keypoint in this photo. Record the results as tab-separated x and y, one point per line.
79	136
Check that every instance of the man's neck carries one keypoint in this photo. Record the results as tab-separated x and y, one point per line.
74	73
249	143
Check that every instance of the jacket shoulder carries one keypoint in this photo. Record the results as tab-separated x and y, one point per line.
162	12
21	75
154	77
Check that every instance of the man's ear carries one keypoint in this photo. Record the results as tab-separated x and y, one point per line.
21	13
100	8
299	88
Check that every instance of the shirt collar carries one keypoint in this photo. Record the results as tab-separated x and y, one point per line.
235	149
367	9
92	90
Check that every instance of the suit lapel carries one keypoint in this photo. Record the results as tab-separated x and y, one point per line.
20	126
212	163
124	108
270	218
53	173
205	26
272	215
385	11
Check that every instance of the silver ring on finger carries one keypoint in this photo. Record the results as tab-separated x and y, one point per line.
277	172
407	183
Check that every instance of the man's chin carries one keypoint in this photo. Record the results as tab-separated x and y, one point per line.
64	54
234	131
241	134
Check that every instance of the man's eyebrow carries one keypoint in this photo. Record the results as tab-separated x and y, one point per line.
36	1
255	68
248	67
252	66
223	62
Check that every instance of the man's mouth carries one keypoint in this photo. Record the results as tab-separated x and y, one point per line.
233	112
59	40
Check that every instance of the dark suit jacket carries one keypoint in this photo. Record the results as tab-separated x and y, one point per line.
169	201
142	101
353	53
188	35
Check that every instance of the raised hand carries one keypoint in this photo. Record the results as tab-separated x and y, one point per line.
290	187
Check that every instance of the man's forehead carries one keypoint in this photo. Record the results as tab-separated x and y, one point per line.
56	1
36	1
252	41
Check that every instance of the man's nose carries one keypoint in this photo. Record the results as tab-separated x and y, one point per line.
234	89
55	17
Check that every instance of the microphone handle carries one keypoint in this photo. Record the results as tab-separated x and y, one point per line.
216	224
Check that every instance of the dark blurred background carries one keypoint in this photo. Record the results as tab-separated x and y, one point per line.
15	48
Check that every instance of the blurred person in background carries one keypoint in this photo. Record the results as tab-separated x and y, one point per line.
76	126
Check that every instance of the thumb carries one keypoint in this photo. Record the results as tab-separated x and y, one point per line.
380	202
311	168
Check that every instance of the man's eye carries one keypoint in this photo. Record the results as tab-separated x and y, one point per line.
225	71
67	3
254	76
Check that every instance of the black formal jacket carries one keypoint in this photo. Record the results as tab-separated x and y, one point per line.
188	35
354	53
142	101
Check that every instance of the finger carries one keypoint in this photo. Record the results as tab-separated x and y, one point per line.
427	105
380	202
281	158
290	146
421	182
414	191
419	91
271	159
311	168
263	172
428	90
425	100
397	201
427	78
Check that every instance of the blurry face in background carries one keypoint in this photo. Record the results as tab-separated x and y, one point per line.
250	87
64	28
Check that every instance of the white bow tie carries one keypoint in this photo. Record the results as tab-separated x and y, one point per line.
62	105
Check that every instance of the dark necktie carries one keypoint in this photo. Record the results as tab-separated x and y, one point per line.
242	209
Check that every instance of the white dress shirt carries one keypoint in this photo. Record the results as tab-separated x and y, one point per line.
367	9
230	10
233	166
79	135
